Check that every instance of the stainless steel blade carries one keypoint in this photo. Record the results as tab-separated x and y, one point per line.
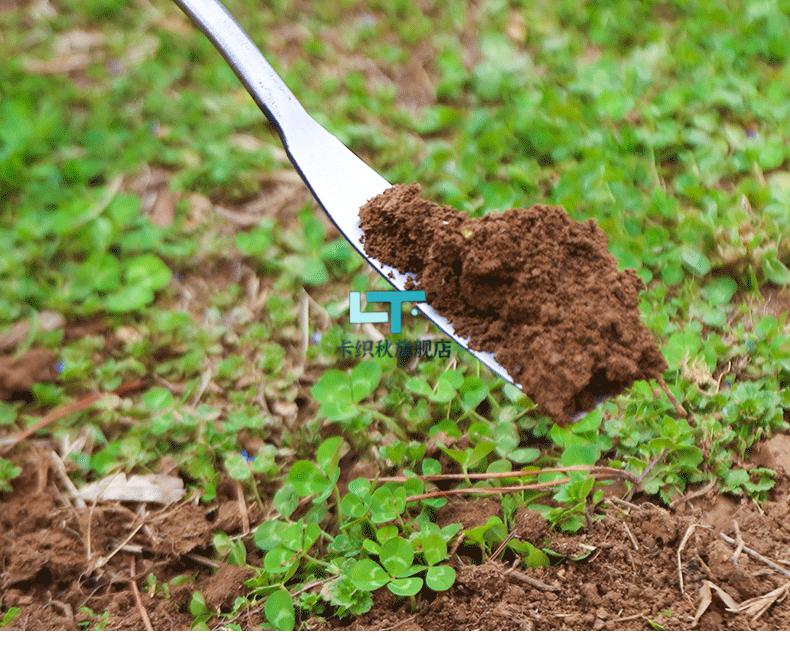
340	182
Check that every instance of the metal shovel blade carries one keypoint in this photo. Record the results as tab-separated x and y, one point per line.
340	182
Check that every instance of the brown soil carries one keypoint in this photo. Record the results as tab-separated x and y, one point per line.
53	558
629	582
534	287
18	374
625	575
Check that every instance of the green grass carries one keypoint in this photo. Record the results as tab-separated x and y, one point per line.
665	123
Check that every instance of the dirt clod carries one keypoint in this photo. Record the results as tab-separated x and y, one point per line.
19	373
534	287
221	589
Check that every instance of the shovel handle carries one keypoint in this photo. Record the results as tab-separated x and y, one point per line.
262	82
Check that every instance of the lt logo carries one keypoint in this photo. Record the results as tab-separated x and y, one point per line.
394	297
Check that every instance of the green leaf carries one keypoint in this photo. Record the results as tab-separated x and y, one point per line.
695	260
285	500
480	451
396	555
523	455
332	386
8	472
352	506
775	270
9	616
128	299
405	586
314	272
385	533
327	455
147	271
431	466
580	455
307	479
280	560
589	423
365	379
681	346
434	549
473	392
197	605
418	386
256	241
237	466
367	575
279	610
440	578
721	290
387	504
7	413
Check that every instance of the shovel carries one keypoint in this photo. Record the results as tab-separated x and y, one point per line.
340	182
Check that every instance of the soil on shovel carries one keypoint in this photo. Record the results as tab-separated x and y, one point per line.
532	286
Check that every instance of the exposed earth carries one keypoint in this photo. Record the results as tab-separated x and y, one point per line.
63	565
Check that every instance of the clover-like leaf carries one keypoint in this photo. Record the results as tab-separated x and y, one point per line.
434	548
280	560
387	504
368	575
307	479
269	534
279	610
440	578
352	506
365	378
405	586
396	555
147	270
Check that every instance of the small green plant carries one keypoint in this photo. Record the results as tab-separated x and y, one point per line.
396	568
8	616
8	472
93	621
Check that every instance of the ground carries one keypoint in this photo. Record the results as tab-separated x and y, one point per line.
173	303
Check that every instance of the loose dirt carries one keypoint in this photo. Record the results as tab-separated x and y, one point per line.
54	561
629	581
19	373
534	287
623	572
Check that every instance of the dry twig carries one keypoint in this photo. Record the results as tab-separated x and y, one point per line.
137	598
67	410
531	581
757	556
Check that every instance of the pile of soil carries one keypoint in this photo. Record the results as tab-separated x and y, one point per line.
537	289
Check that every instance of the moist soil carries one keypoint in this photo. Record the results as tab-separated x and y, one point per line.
66	567
534	287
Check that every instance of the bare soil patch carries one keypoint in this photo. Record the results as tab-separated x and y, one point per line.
59	562
630	581
65	567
